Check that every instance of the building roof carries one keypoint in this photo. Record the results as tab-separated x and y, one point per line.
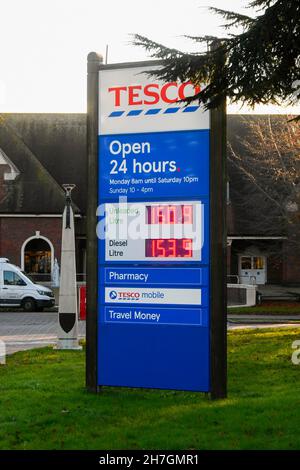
48	150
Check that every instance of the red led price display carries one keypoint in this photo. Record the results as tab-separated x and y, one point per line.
170	214
169	248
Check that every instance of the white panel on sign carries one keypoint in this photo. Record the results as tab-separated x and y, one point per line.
133	102
133	295
171	231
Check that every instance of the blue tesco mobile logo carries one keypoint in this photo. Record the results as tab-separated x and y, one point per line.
113	295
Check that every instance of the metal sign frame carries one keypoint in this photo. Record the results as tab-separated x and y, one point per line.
218	290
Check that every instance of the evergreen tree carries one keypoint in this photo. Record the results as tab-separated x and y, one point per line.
260	65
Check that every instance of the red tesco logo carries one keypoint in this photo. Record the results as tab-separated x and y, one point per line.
129	295
151	94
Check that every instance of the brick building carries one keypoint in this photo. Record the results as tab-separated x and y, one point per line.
263	174
40	152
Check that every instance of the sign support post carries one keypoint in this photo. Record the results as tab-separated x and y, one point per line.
218	291
93	65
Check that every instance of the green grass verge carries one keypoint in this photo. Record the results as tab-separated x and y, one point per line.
267	310
44	404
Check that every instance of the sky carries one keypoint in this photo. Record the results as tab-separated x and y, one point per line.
44	44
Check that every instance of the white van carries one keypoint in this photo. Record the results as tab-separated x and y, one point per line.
17	290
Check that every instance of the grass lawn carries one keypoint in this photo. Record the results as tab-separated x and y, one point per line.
44	404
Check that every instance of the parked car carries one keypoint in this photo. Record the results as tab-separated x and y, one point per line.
17	290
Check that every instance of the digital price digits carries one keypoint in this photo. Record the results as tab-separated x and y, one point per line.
169	248
170	214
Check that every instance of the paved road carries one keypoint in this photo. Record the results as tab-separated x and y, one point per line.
20	330
264	318
262	321
253	325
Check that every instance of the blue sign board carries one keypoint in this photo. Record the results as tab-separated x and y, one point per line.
155	276
154	165
153	263
156	316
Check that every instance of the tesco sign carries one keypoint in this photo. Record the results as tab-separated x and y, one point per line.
152	93
132	102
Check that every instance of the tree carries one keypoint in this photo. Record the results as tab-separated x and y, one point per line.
260	65
264	165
